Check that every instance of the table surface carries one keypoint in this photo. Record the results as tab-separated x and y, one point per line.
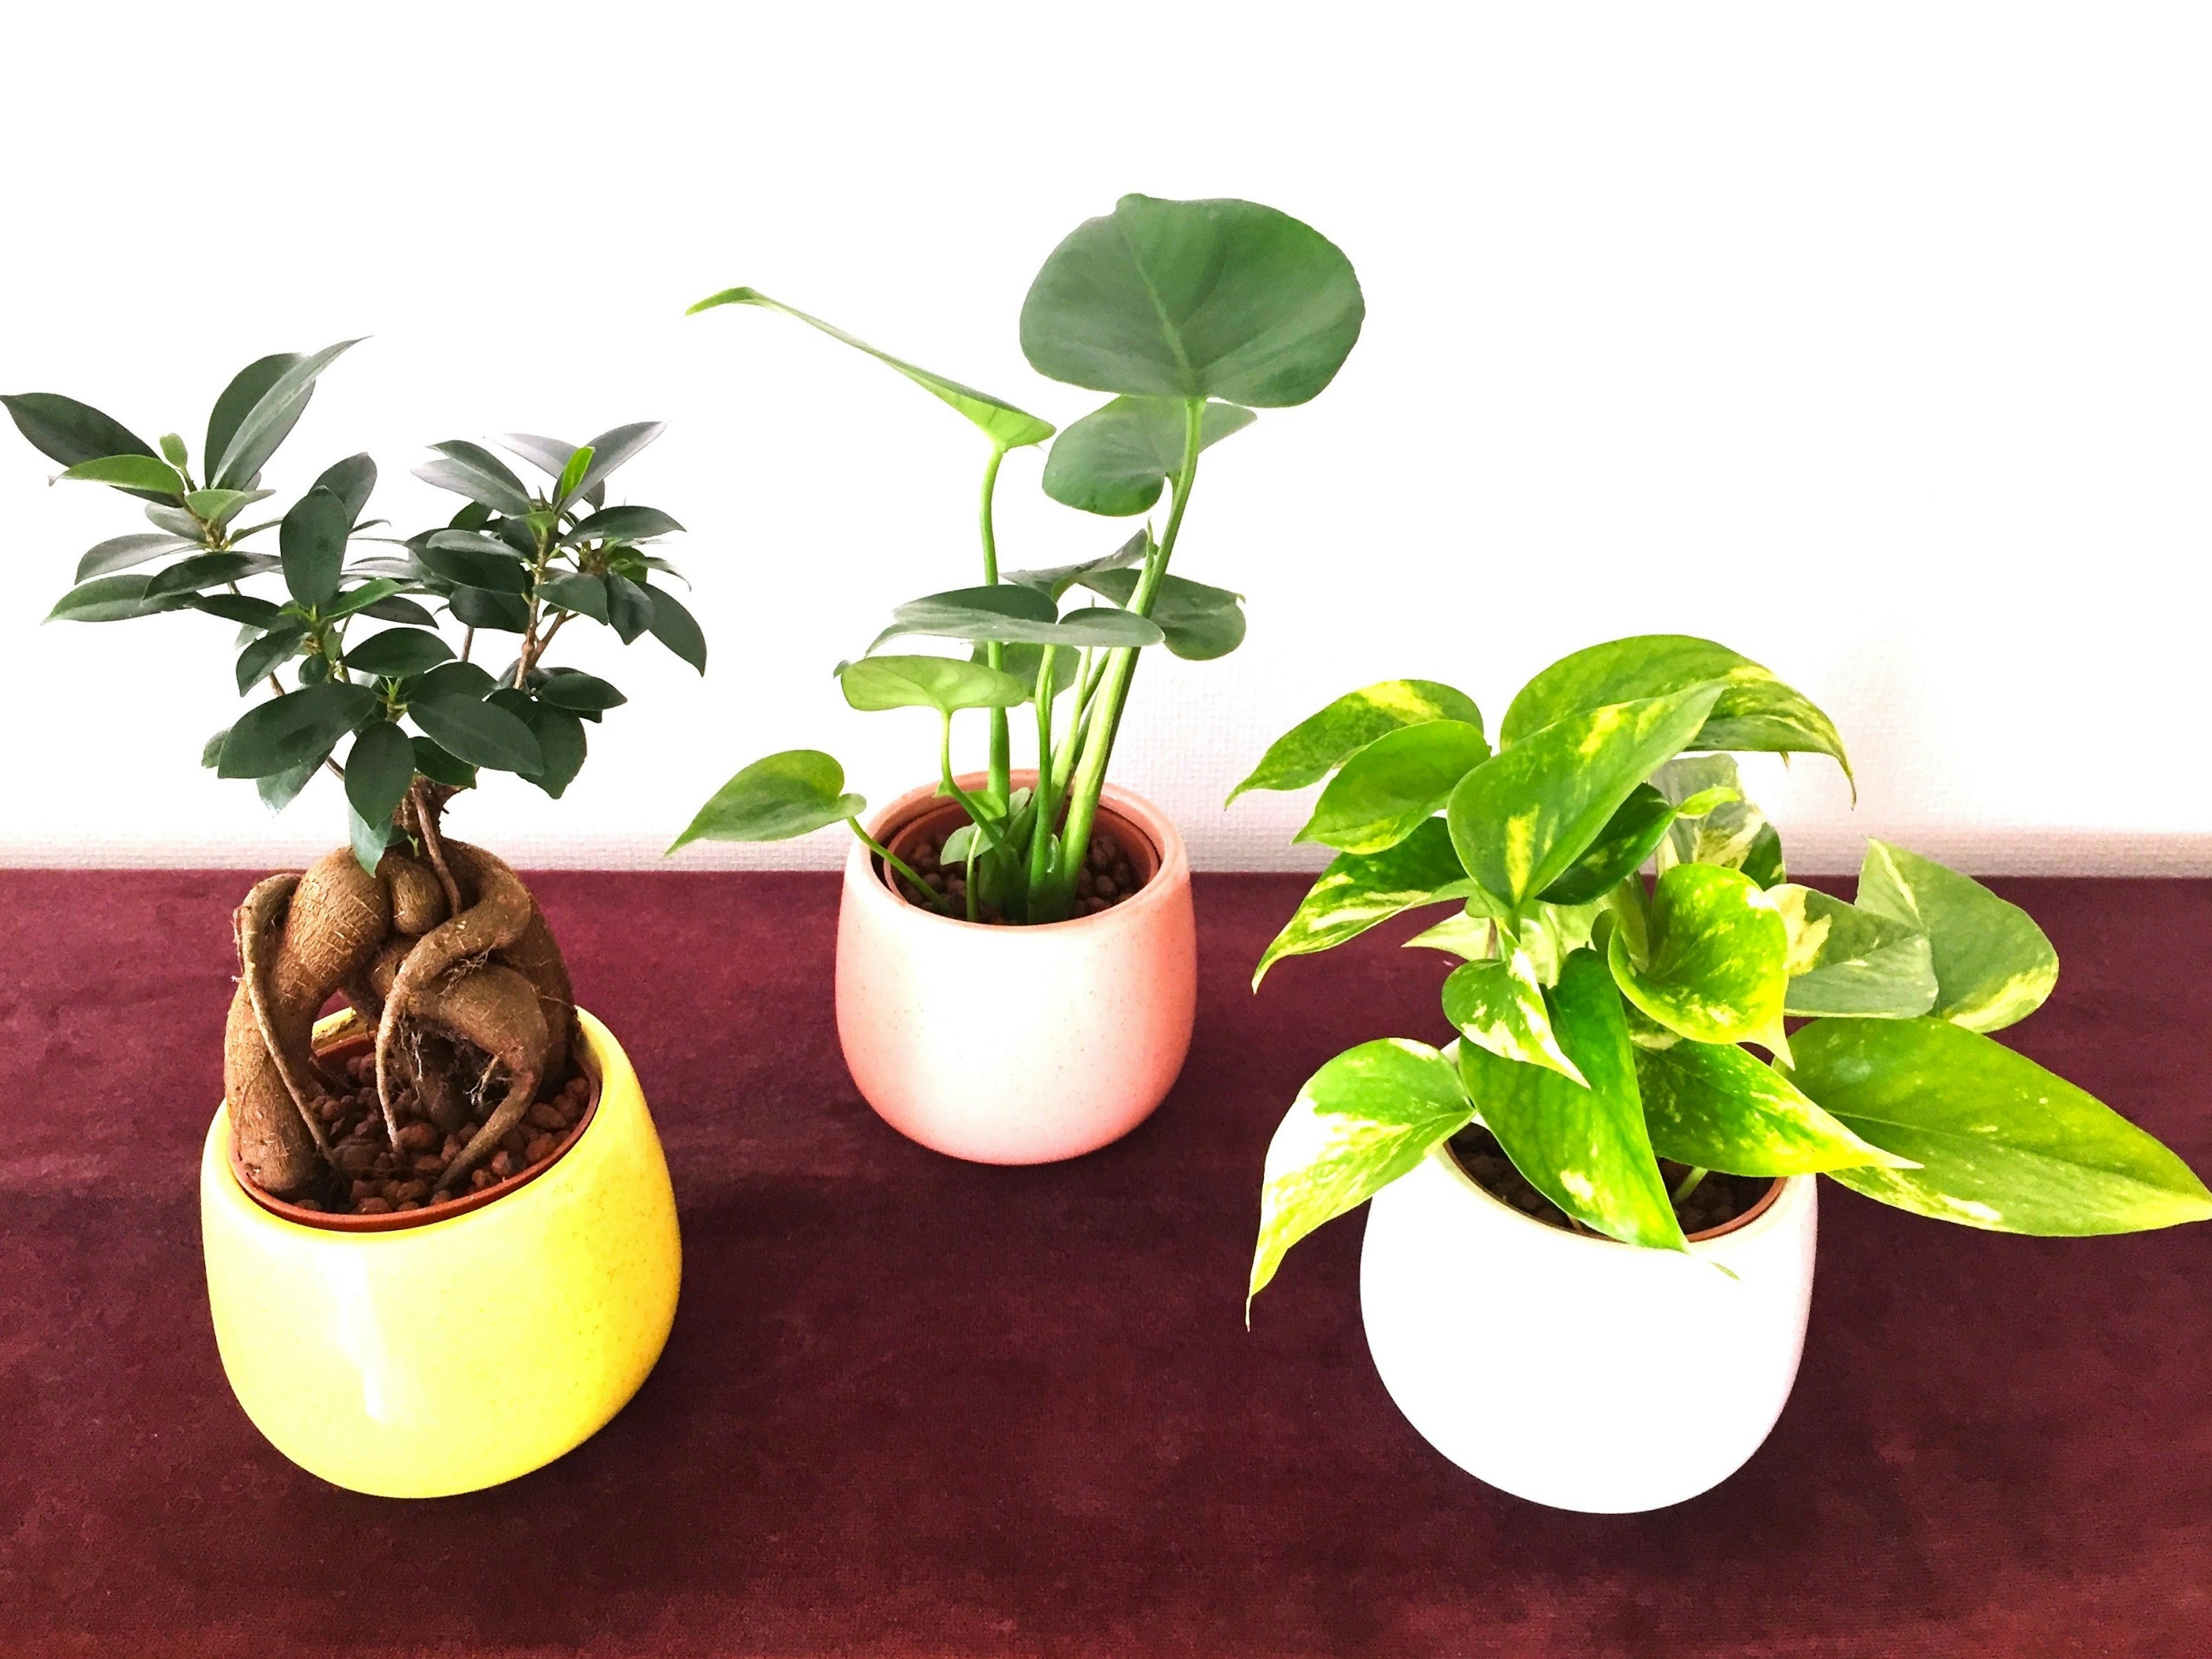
916	1407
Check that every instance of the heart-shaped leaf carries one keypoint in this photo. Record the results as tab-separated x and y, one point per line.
1195	299
944	683
294	730
1993	965
2001	1143
1585	1149
788	794
398	652
1199	622
1058	579
1846	961
1718	950
1755	711
1116	460
1498	1004
1522	818
1386	791
1007	427
266	402
1714	1106
1013	612
1359	890
1365	1119
1318	745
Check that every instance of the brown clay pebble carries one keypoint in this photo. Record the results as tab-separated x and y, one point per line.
480	1179
502	1164
372	1207
307	1203
539	1149
418	1138
514	1140
428	1164
330	1109
1101	854
545	1114
404	1189
407	1204
1104	887
363	1190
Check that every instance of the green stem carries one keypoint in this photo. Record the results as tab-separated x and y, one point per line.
1044	801
995	654
890	857
1121	665
1690	1184
968	804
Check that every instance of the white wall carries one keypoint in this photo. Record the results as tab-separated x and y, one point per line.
1873	340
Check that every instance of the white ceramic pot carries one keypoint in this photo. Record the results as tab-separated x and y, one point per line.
1019	1045
1576	1372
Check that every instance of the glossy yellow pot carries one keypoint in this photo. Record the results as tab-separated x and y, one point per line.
437	1360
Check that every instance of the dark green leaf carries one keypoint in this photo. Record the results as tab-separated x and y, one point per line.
1116	460
482	733
205	570
112	599
1367	1117
313	540
62	429
1715	1107
292	730
1200	622
474	560
398	652
397	609
241	608
369	594
378	770
472	470
124	552
1007	426
622	523
1584	1149
435	763
630	608
238	400
1318	745
1637	827
676	628
211	751
352	480
173	521
453	679
261	658
776	799
613	448
1521	819
1993	964
1359	890
582	693
561	740
1219	299
586	595
2001	1143
268	421
1386	791
278	790
501	613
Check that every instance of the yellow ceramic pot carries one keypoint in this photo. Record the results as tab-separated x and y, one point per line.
437	1360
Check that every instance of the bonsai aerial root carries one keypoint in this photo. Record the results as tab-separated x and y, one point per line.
469	1004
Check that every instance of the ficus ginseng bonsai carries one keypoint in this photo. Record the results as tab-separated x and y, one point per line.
1192	314
1603	1019
438	945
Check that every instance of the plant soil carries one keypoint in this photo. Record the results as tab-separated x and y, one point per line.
1719	1199
1107	878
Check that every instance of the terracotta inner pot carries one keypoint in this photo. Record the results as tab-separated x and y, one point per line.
345	1047
940	817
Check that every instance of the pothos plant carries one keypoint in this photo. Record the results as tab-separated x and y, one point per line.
1603	1015
1193	314
437	944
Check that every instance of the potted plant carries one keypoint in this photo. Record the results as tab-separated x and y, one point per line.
1016	953
440	1245
1599	1171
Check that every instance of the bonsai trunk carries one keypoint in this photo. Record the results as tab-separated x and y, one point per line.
445	956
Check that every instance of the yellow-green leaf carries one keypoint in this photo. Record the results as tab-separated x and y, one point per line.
1717	956
1993	965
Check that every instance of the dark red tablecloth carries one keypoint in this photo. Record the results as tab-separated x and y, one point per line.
913	1407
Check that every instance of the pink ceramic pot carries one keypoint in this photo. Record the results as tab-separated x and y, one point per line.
1017	1045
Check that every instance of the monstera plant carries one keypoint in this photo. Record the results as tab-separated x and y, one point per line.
1608	1020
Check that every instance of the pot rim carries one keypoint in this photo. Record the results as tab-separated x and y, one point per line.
1762	1214
337	1032
865	876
